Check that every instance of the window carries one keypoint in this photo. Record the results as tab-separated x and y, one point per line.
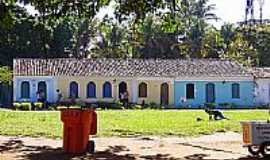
190	91
107	90
73	90
91	90
25	90
235	90
42	88
142	90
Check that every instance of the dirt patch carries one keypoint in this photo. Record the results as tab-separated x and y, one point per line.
220	146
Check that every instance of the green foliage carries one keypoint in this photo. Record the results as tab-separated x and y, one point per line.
26	106
16	105
154	105
142	29
38	105
210	105
241	51
5	74
137	106
228	105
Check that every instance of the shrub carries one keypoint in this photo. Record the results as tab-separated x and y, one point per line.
263	107
137	106
26	106
118	105
52	107
38	105
225	105
16	105
110	105
210	105
153	105
233	105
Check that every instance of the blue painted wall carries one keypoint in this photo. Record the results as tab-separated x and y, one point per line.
223	93
33	81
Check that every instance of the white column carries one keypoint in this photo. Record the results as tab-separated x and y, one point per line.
16	89
134	90
33	90
54	88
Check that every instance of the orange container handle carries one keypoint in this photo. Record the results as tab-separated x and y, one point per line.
93	127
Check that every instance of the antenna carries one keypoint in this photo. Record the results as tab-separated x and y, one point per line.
251	11
261	4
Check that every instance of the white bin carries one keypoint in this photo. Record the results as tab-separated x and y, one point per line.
255	132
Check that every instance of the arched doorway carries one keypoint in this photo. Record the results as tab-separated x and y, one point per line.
42	87
210	93
122	88
164	94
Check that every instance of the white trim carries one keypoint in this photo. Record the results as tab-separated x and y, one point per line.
168	79
15	84
134	90
34	77
164	79
55	87
268	92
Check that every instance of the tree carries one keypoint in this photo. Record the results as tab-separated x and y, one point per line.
113	40
5	74
212	43
24	38
259	37
137	9
154	42
241	51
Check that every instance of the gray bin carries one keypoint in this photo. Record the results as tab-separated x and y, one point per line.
255	132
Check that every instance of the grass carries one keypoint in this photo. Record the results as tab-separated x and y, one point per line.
128	123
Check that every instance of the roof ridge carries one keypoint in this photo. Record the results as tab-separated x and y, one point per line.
71	58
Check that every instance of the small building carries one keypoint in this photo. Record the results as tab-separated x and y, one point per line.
262	85
173	82
223	83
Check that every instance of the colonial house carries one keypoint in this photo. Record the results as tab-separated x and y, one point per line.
262	85
174	82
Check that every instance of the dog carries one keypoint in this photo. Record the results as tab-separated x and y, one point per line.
217	115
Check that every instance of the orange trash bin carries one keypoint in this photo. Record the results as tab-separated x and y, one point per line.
78	125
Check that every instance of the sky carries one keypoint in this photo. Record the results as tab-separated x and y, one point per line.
230	11
233	11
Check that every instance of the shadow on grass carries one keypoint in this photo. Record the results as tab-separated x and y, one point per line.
112	152
204	157
49	153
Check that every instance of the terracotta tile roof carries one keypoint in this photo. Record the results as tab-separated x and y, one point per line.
261	72
109	67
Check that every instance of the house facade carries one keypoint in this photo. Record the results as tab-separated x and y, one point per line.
262	86
175	82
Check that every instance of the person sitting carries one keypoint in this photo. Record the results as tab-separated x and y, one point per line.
215	113
59	96
41	97
125	100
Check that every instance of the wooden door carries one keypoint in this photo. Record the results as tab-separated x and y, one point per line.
210	93
164	94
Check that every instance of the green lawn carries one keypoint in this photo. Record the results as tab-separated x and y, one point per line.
128	123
